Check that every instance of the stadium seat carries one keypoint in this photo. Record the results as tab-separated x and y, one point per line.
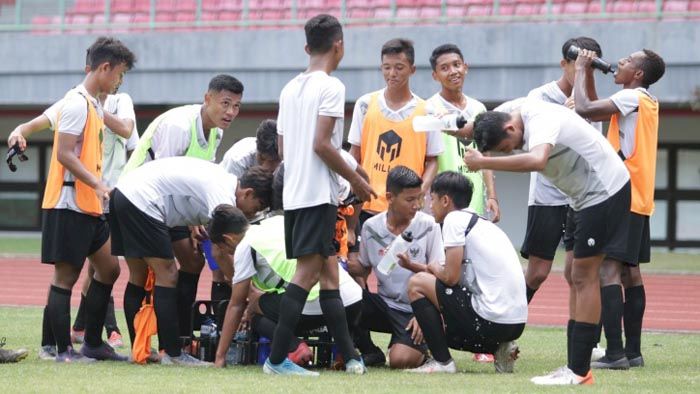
694	6
455	11
383	13
675	6
186	6
430	12
165	6
506	9
620	7
123	21
479	10
574	7
81	22
141	6
99	26
88	7
143	20
646	6
406	3
360	13
40	22
121	6
407	13
525	9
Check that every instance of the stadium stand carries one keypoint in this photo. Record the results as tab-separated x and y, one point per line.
89	16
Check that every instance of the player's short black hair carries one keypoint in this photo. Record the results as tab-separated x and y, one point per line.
583	43
225	82
401	178
396	46
109	50
653	66
226	218
322	31
454	185
277	188
260	181
442	50
489	130
266	139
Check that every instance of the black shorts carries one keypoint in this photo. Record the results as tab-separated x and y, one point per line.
545	228
179	233
377	316
70	237
464	328
604	228
569	230
135	234
269	304
638	242
310	231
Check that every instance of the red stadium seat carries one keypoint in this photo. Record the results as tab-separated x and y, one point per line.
360	13
525	9
407	13
230	5
694	6
406	3
575	7
123	21
430	12
506	9
479	10
80	21
186	6
623	7
99	25
121	6
646	6
165	5
88	7
141	6
143	20
382	13
675	6
456	11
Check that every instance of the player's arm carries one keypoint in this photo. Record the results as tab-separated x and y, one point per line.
466	132
534	160
491	197
65	153
429	173
280	146
355	152
120	127
586	105
232	319
405	262
450	272
331	157
23	131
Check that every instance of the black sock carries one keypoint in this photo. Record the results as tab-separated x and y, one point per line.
598	331
96	302
611	317
337	323
58	309
291	305
569	340
581	350
265	327
186	295
530	292
111	319
165	304
363	341
79	322
220	291
133	297
430	322
635	303
47	338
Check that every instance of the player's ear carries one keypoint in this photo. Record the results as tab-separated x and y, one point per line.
307	50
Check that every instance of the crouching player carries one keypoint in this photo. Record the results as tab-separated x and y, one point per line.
479	292
177	191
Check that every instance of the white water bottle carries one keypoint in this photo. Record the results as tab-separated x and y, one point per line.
431	123
399	245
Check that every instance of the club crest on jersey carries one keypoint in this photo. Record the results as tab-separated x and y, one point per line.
414	252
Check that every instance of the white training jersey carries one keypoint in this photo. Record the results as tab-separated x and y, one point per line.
493	267
581	163
179	191
308	180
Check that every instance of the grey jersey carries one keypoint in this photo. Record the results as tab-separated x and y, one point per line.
426	247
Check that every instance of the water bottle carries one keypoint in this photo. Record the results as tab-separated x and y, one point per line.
399	245
213	342
263	350
204	339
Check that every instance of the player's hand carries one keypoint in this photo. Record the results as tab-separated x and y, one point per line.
584	59
416	332
199	233
492	206
570	103
404	261
16	137
363	190
472	159
102	191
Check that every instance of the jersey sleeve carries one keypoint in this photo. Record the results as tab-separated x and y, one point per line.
436	250
332	101
626	101
243	267
435	146
73	115
358	119
51	113
364	248
453	230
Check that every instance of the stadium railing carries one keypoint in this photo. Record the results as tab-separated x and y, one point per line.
119	16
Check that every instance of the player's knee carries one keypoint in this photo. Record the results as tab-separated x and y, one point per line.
610	273
417	284
404	357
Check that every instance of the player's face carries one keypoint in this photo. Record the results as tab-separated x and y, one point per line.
222	107
266	162
230	242
112	77
628	67
407	203
396	70
437	206
450	71
249	204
